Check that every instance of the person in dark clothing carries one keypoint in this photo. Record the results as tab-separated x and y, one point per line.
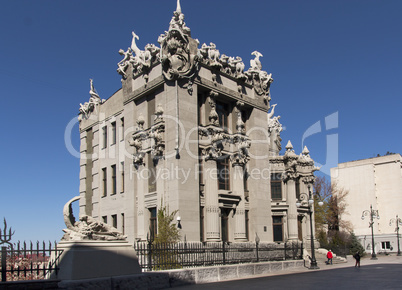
357	258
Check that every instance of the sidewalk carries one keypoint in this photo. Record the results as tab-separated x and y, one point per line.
391	259
383	273
365	261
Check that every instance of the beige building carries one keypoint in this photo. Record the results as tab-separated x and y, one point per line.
190	129
375	182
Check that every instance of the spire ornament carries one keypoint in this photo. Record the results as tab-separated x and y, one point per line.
178	8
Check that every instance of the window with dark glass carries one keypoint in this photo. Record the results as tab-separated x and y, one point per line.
386	245
104	219
104	181
122	178
277	224
247	225
276	186
104	131
223	173
114	220
201	172
114	136
123	224
223	112
153	226
245	180
151	174
122	129
114	185
225	224
201	224
297	184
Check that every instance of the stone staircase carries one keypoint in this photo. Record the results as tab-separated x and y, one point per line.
321	257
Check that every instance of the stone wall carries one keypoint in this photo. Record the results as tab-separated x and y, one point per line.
174	278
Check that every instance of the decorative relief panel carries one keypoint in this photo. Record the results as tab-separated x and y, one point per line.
149	141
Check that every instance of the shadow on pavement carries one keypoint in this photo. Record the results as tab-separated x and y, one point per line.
376	276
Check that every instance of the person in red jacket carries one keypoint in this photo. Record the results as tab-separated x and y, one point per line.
329	256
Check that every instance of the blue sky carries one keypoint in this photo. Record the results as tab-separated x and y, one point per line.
339	60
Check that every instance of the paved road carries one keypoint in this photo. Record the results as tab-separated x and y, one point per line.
384	273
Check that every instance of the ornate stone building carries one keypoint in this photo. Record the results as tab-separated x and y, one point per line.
190	129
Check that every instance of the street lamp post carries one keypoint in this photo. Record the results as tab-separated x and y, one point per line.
373	214
309	197
398	223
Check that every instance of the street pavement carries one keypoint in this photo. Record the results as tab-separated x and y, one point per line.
384	273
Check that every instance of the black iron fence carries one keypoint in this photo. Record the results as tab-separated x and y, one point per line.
163	256
27	262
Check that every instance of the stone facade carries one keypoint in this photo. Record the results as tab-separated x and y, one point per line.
190	129
375	182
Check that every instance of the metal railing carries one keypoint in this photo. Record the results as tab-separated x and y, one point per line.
25	262
164	256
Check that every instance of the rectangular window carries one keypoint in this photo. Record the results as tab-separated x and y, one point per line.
201	224
104	182
297	184
245	182
123	224
114	187
104	130
114	133
277	224
225	224
122	129
122	178
276	186
223	112
386	245
114	220
201	173
104	219
247	225
153	226
223	173
151	174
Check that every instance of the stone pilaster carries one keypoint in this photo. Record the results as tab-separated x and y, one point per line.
240	213
142	188
212	228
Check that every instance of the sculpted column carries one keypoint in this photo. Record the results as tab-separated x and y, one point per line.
239	161
240	212
292	210
211	201
290	177
142	188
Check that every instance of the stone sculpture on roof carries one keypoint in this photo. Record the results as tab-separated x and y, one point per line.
261	79
88	107
180	56
179	52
